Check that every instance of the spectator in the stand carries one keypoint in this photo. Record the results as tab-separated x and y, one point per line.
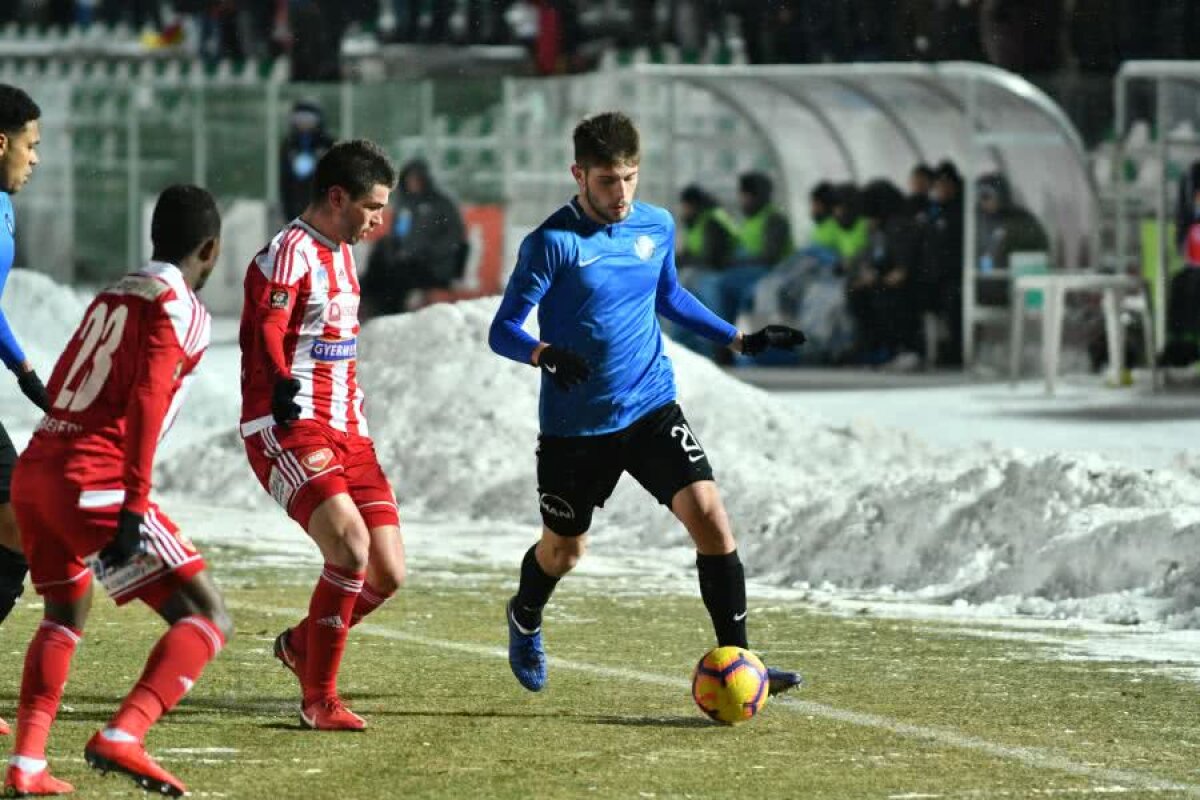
407	14
939	278
302	147
709	234
426	248
317	28
1004	226
879	282
937	30
1023	35
920	181
766	232
137	14
850	229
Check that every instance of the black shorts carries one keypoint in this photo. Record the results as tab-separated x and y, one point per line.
8	458
578	473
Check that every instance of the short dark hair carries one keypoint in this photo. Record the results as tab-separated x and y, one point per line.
16	109
185	217
924	170
756	184
357	166
607	139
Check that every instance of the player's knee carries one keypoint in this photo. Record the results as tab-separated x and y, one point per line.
351	547
565	554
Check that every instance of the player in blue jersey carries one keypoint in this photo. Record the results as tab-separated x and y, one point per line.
600	270
19	137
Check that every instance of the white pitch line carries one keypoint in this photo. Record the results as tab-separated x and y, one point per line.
1029	756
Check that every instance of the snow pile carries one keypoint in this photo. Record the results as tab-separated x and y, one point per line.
812	502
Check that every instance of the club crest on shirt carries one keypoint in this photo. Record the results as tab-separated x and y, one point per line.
644	247
279	299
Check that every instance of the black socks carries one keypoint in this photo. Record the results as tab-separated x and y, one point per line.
723	587
533	593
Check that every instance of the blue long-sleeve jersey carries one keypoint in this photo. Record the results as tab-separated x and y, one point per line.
598	289
10	352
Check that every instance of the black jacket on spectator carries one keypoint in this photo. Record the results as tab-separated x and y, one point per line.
881	280
426	248
299	153
939	278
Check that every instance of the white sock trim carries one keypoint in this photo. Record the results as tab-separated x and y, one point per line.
27	764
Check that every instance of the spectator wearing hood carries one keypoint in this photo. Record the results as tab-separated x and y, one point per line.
709	234
879	281
302	147
425	249
1004	226
938	280
766	233
920	182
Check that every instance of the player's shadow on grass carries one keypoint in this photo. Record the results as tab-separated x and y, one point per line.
652	722
595	719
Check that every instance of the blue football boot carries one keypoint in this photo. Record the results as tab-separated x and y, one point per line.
525	653
780	681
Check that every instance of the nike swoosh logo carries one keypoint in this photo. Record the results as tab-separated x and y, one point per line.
695	458
551	369
592	260
739	617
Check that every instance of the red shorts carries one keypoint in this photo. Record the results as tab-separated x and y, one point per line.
306	463
63	525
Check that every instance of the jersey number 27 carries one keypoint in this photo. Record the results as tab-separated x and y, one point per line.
101	335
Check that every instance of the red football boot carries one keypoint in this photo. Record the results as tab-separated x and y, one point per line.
20	783
331	715
130	758
288	657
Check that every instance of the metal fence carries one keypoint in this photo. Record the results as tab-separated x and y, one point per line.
111	141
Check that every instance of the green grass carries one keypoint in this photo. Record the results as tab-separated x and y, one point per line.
446	722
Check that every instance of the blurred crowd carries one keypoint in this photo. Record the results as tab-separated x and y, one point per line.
879	274
1027	36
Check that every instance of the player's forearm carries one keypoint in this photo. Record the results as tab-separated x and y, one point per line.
143	426
506	337
149	402
681	307
274	331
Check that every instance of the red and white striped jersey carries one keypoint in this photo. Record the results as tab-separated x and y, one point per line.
300	320
119	384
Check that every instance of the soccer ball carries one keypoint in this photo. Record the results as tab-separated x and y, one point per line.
730	684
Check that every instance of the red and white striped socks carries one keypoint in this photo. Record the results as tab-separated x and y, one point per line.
174	666
329	615
47	664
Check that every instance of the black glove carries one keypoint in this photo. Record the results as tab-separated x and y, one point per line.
780	337
33	388
566	368
127	541
283	401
